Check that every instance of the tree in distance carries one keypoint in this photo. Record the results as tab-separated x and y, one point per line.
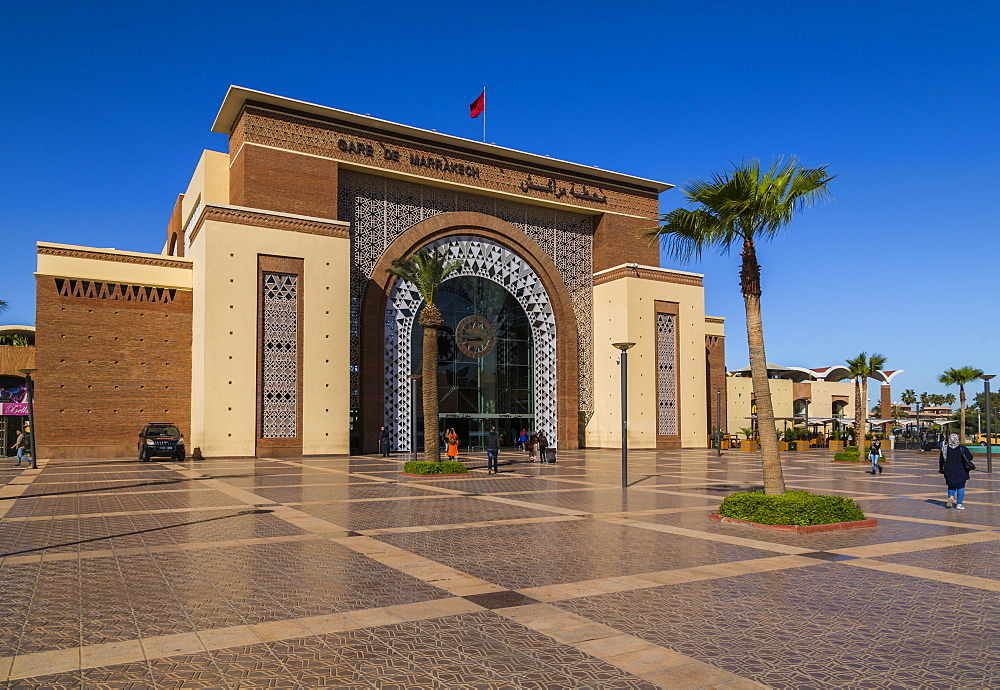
740	207
426	270
861	368
959	377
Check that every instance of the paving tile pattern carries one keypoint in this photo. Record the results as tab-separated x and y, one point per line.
99	554
433	511
865	629
533	555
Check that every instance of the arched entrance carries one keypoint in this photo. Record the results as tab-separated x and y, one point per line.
499	286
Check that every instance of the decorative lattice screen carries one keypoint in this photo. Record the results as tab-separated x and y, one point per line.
279	360
666	374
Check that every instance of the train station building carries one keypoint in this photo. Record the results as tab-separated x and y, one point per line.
268	325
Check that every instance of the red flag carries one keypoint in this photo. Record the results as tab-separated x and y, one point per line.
478	106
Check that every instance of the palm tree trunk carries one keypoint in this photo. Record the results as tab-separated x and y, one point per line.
961	399
774	482
432	449
859	419
864	412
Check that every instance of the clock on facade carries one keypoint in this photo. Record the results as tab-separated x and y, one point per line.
475	336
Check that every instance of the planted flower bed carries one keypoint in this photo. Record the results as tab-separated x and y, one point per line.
425	468
793	511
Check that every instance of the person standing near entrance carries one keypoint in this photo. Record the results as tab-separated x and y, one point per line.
383	442
492	450
955	463
543	444
523	439
875	454
531	446
20	445
452	440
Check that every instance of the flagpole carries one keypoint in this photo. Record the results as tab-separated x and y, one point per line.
484	114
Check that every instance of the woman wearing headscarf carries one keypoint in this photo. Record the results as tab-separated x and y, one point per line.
954	464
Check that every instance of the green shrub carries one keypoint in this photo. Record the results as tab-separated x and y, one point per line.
426	467
791	508
847	456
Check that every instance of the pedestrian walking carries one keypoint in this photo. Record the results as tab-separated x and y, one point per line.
874	455
452	439
523	439
543	444
532	445
955	463
20	445
492	450
383	442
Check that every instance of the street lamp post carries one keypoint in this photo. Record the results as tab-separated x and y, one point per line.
624	347
30	385
413	413
989	439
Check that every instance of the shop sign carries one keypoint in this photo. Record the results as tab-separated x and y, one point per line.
14	408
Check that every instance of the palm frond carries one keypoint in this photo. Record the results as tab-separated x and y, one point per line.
426	270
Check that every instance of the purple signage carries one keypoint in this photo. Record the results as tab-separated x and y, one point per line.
14	408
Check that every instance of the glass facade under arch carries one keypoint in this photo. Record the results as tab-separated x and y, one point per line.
494	388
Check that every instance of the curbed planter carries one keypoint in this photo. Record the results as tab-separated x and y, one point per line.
866	461
799	529
435	476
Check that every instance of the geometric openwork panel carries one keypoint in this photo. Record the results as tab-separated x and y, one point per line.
485	259
280	357
380	209
68	287
666	374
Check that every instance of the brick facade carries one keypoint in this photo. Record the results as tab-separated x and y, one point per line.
618	240
283	181
175	231
715	379
106	367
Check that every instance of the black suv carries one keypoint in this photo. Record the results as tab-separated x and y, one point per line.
161	439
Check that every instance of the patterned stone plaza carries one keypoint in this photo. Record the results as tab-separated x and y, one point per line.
330	572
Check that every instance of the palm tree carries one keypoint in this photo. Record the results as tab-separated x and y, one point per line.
738	208
909	396
861	368
949	399
960	377
426	270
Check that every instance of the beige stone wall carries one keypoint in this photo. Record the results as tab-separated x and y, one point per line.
783	396
113	266
624	311
822	396
224	362
739	395
209	184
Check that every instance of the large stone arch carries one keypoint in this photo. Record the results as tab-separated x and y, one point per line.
376	296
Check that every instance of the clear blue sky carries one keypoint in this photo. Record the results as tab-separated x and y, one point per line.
106	107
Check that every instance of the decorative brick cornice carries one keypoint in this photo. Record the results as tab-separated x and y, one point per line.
646	274
265	219
715	319
164	262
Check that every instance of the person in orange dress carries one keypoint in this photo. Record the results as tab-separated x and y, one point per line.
452	439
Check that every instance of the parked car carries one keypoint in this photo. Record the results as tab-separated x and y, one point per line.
994	439
161	439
